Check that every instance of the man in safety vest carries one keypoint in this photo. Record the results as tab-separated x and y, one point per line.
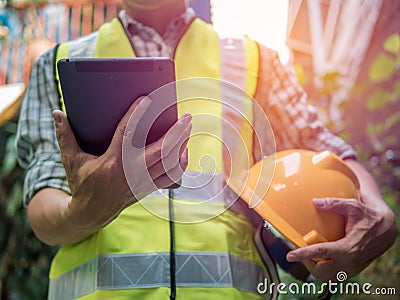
121	241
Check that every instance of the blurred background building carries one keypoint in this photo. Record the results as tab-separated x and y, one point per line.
347	56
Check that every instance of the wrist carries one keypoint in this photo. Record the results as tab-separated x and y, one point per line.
77	219
53	221
392	225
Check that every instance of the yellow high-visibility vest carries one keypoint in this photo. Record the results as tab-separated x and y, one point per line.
214	249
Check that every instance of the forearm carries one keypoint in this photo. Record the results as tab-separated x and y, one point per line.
51	221
369	189
371	196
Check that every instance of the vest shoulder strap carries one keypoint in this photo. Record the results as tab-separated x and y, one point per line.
262	124
81	47
264	80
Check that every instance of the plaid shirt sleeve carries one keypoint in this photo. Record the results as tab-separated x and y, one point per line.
294	122
37	146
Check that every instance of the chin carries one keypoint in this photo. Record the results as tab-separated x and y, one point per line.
148	4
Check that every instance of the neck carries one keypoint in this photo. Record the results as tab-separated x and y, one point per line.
158	19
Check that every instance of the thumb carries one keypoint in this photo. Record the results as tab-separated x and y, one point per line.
66	140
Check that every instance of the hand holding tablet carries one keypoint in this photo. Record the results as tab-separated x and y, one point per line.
98	93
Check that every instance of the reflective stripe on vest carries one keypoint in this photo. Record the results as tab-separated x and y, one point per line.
147	270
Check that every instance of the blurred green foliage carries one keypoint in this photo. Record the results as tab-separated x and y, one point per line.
371	122
10	2
24	260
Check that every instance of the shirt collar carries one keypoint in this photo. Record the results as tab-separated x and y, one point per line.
177	24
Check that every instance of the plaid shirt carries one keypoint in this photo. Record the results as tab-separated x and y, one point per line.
147	42
37	145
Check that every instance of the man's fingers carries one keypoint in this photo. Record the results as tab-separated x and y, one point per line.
351	209
327	269
321	250
177	135
161	167
66	140
169	160
163	147
129	122
173	175
339	205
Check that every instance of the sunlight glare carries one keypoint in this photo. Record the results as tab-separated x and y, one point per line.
262	20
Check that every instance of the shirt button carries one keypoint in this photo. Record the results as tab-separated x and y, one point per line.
145	36
177	23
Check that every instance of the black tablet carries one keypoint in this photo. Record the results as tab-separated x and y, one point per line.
97	92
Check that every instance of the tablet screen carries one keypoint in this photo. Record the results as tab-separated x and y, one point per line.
98	92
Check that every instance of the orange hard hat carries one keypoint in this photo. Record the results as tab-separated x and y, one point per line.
281	187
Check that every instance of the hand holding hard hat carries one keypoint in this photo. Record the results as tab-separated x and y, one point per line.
314	197
281	189
298	177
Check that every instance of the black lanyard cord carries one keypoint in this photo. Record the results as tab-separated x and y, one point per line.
172	260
